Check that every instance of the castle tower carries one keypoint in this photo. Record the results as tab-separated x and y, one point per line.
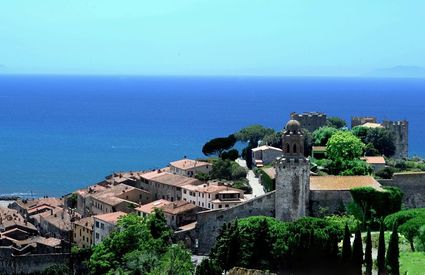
292	175
400	133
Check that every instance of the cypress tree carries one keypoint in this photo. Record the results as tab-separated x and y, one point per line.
393	253
358	252
368	253
346	245
381	250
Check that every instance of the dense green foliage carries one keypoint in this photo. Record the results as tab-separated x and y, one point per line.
57	269
140	246
322	135
410	222
217	146
386	173
266	181
272	139
230	155
336	122
393	253
344	146
379	138
208	267
421	239
266	243
376	204
227	170
253	134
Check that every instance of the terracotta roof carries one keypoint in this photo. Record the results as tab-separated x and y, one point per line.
33	203
374	160
372	125
178	207
186	164
112	196
148	208
341	183
175	180
266	147
110	217
86	222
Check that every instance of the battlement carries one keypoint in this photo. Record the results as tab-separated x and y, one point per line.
310	120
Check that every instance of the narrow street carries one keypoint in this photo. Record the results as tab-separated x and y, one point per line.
257	188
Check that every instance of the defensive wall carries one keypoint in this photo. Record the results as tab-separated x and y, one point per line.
210	222
29	264
412	185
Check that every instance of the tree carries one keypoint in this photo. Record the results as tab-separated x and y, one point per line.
322	135
176	261
57	269
380	138
261	255
308	142
421	239
136	247
208	267
343	145
217	146
358	252
227	170
393	253
230	155
368	253
410	229
335	122
346	245
381	250
253	134
272	139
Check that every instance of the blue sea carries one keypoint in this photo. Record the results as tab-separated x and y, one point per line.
60	133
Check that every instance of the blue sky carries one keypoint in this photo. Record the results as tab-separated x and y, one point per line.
230	37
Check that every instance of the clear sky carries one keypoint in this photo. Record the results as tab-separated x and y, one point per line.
215	37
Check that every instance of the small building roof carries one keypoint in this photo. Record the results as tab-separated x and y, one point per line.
270	171
318	148
374	160
175	180
111	218
342	183
178	207
114	195
186	164
149	207
86	222
372	125
266	147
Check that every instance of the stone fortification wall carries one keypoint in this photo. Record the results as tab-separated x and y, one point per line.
28	264
412	185
210	222
328	202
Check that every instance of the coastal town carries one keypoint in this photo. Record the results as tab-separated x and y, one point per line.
287	179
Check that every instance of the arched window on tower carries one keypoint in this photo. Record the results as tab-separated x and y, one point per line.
287	148
294	149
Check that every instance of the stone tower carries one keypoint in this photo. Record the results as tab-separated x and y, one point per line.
400	133
292	176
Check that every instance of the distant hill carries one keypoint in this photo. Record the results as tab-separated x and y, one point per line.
401	71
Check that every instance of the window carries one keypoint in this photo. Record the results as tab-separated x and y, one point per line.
227	205
97	224
220	206
102	226
97	235
80	231
287	148
184	191
209	205
295	149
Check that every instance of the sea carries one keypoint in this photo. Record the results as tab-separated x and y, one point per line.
61	133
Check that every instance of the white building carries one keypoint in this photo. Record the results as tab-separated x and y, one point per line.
189	167
212	195
104	224
265	155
